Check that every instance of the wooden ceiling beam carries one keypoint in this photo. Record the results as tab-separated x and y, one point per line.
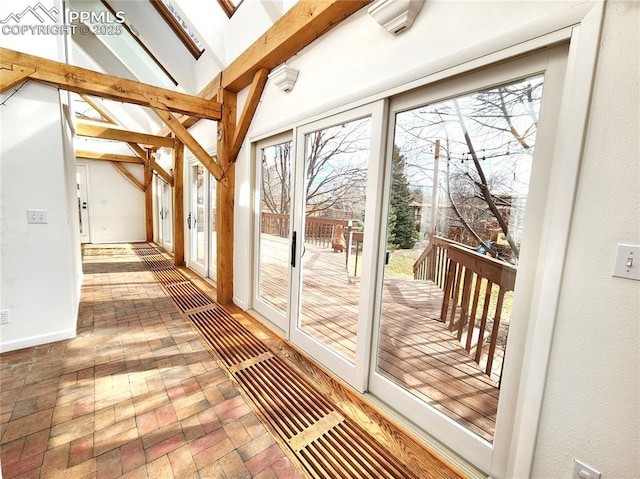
95	155
107	133
190	142
141	152
89	82
12	75
302	24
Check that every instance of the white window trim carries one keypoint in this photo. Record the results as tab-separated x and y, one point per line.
516	459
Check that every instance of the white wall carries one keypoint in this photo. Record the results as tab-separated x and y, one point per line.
116	206
592	402
40	263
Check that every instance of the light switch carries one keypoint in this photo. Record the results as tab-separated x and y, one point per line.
37	216
627	262
582	471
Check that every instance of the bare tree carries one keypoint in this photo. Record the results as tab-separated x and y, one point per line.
336	166
276	179
488	139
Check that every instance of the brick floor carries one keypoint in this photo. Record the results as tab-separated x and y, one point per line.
134	395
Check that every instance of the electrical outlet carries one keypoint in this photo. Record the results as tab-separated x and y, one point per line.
582	471
37	216
4	316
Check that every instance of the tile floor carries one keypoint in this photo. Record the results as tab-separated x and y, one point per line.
134	395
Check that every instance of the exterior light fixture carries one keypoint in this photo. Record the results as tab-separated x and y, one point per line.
395	15
284	77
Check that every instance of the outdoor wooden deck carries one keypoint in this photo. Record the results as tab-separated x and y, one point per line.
417	350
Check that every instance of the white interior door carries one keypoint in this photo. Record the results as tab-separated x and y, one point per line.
83	203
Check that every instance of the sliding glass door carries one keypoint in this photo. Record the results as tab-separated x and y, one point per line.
389	239
272	226
459	176
330	242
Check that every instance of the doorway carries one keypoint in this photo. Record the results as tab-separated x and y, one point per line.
201	221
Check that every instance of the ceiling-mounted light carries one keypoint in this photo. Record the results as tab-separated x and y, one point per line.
284	77
395	15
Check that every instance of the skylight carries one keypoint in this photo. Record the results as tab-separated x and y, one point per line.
180	27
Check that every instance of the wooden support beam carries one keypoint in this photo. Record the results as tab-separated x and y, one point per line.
209	92
89	82
108	133
97	108
225	199
148	197
255	92
141	152
12	75
161	172
154	166
178	203
95	155
190	142
301	25
120	167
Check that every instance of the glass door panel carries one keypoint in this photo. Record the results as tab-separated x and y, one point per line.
333	185
460	172
273	221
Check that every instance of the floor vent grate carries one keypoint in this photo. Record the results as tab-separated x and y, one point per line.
170	276
322	441
159	264
188	297
148	252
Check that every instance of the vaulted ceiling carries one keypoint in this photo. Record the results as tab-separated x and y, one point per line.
175	44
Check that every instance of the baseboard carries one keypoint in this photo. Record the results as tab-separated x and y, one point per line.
36	340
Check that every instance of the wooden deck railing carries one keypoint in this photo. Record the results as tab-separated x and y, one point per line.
432	263
473	283
317	231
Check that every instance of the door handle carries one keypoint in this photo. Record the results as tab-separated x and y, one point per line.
293	249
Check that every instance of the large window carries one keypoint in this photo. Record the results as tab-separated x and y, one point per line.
460	172
408	233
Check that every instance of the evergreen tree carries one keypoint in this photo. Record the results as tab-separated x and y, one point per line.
402	228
